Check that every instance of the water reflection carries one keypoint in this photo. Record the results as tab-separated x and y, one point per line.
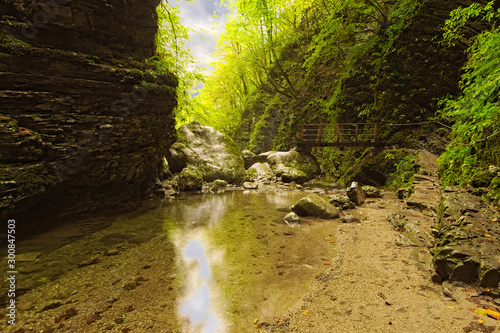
196	250
197	310
226	259
195	215
198	307
240	261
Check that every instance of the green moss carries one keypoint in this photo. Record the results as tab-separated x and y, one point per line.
5	119
493	191
402	177
231	145
12	44
157	88
5	172
33	180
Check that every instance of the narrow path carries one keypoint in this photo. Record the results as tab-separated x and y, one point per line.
376	285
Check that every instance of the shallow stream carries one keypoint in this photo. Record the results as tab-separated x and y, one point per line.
197	263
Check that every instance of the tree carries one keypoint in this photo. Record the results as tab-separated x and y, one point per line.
174	54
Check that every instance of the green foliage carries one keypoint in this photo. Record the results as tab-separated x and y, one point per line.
494	190
280	47
398	20
460	16
340	30
402	177
249	53
476	113
175	56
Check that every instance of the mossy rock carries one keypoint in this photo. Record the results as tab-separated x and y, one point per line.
482	179
371	191
190	179
293	166
203	148
315	205
342	201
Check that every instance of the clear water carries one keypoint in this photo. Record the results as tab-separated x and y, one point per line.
236	259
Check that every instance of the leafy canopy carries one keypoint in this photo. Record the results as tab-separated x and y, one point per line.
174	55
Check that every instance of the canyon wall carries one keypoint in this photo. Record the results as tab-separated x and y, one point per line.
85	117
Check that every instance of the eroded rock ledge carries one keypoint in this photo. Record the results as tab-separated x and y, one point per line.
85	119
468	248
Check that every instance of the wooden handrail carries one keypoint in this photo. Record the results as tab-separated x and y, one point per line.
339	134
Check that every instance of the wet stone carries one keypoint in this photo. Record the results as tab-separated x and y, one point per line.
371	191
24	306
403	241
250	185
342	201
402	193
350	219
31	268
292	218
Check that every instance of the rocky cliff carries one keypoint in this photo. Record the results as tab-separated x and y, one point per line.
85	118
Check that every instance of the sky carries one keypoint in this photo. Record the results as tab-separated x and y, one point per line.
199	15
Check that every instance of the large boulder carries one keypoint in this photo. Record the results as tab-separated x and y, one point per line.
259	172
212	153
315	205
251	159
292	166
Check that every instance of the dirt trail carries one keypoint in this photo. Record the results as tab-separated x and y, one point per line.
375	285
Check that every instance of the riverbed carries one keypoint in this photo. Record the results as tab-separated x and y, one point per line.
196	263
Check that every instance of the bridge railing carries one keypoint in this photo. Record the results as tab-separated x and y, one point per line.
338	134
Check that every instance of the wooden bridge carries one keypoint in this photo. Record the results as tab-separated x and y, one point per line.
358	135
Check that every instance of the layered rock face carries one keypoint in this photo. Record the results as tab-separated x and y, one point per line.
85	120
467	249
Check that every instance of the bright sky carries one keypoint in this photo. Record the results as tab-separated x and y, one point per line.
199	15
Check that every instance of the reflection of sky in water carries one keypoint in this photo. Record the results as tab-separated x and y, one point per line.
196	250
197	310
190	220
198	307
